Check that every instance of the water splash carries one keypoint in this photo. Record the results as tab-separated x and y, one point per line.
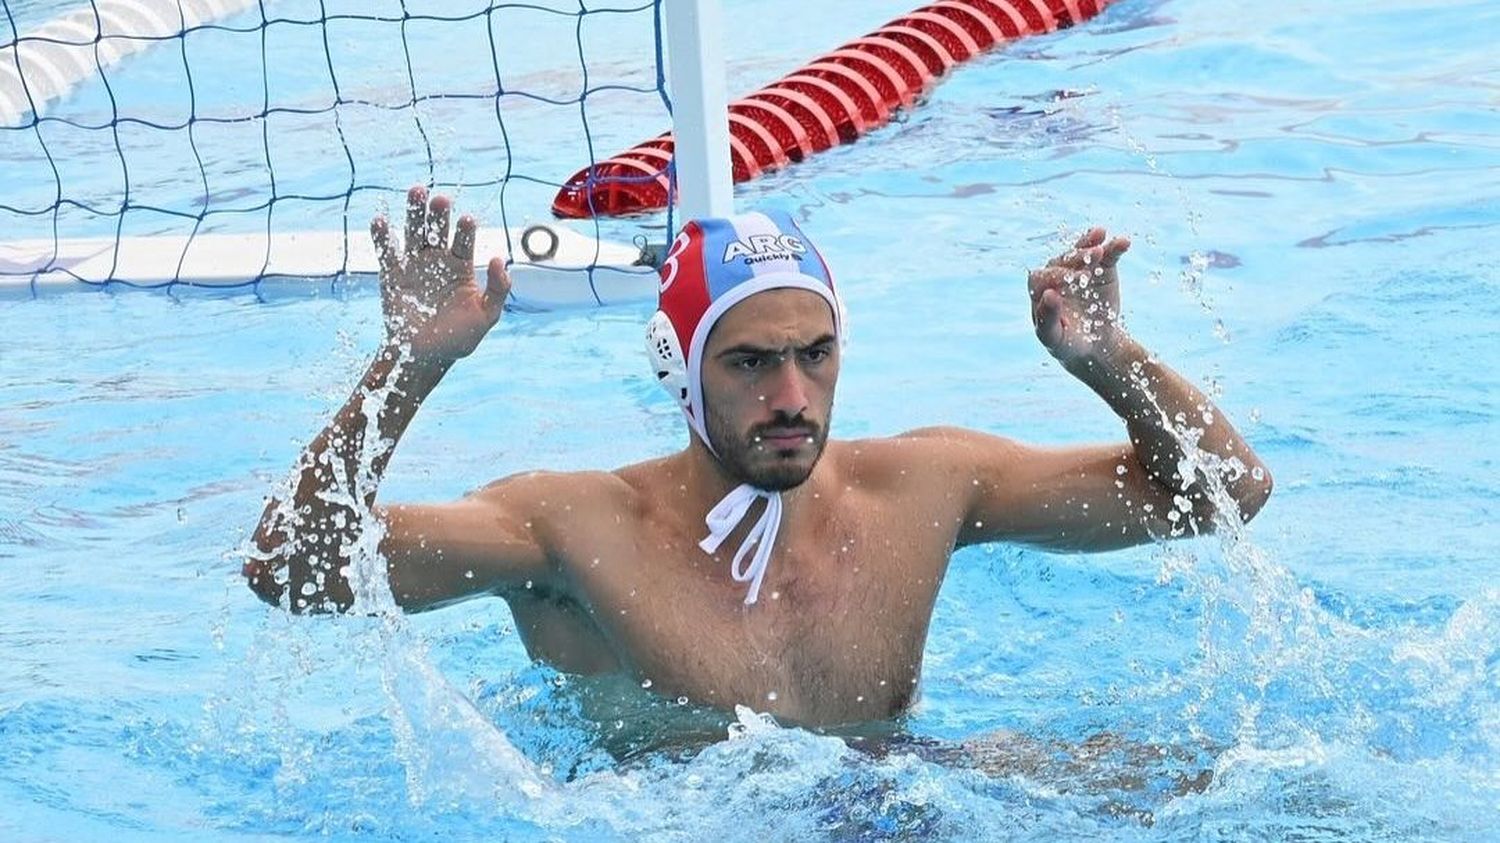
1292	691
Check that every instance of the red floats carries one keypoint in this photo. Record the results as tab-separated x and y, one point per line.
832	100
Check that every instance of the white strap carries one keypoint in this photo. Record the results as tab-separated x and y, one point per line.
727	515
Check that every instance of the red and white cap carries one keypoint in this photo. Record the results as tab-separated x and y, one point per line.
713	265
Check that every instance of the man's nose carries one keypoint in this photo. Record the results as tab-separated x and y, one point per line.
788	391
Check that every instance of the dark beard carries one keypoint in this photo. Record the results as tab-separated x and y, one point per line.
736	453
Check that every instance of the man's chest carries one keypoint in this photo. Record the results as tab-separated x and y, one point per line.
836	634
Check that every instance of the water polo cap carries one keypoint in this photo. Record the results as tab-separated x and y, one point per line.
713	265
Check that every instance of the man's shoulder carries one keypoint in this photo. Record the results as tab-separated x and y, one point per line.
640	483
589	491
562	508
916	452
877	461
564	489
896	450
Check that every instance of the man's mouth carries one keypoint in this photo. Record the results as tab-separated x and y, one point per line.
783	438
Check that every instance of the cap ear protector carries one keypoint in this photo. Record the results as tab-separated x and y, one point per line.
666	357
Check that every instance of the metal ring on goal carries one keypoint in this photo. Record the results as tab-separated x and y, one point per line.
546	254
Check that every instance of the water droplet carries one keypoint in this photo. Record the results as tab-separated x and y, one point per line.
771	695
682	700
645	683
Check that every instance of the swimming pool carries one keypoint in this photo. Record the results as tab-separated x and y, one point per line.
1311	190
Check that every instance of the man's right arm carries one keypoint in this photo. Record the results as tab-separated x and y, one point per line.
434	554
435	314
487	542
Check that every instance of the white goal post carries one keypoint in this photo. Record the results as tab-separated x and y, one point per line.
700	108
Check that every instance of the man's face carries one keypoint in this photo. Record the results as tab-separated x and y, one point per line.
769	371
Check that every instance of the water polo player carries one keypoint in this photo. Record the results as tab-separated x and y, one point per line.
764	563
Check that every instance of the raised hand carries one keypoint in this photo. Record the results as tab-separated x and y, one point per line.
1075	299
433	307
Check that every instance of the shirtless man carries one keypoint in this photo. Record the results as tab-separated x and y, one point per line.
811	595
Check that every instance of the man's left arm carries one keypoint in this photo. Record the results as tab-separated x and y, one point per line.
1104	497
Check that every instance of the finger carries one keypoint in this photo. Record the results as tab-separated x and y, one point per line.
463	241
1093	258
380	232
438	215
1048	318
416	217
496	287
1113	250
1042	280
1074	259
1090	238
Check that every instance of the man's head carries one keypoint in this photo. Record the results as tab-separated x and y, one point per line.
769	370
747	340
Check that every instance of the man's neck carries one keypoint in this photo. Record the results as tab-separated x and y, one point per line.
707	482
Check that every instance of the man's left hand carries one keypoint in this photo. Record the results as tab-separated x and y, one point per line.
1075	299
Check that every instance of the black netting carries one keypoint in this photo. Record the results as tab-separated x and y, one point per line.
174	119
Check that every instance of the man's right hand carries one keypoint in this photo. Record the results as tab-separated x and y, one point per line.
434	309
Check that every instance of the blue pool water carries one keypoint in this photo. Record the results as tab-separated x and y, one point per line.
1312	192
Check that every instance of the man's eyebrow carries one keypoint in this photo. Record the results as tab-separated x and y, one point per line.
748	348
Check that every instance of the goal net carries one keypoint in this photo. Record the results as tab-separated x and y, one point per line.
236	142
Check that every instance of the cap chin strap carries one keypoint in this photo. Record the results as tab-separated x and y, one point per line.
727	515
